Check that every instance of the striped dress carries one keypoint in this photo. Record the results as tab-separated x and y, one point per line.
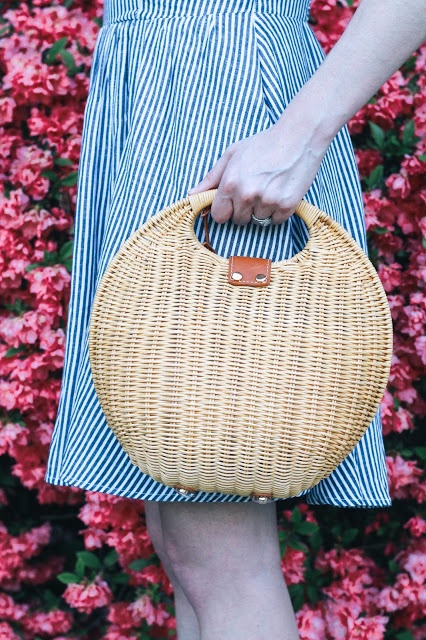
173	83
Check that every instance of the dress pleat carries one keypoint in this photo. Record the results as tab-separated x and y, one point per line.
172	84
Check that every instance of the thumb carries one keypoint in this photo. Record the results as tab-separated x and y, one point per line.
212	178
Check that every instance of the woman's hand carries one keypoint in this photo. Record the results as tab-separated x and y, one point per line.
270	172
267	173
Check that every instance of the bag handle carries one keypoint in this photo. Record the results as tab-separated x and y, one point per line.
200	203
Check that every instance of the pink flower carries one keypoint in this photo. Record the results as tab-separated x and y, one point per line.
419	633
7	633
420	344
369	628
143	609
11	433
390	275
49	623
120	614
293	566
416	526
367	160
398	185
7	105
340	619
415	565
402	475
94	538
414	322
311	623
9	610
402	421
87	597
114	632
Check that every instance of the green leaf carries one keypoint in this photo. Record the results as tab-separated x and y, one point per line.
349	536
307	528
89	559
377	134
119	578
70	180
67	578
63	162
393	566
50	258
33	266
297	544
68	60
55	49
375	179
420	452
18	307
4	30
380	230
408	134
49	174
51	600
404	635
13	351
139	564
312	593
79	568
422	157
111	558
296	516
297	595
68	265
65	252
315	541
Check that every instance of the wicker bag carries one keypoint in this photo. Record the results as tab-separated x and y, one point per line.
242	376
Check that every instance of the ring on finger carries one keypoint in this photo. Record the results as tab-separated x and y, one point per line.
262	222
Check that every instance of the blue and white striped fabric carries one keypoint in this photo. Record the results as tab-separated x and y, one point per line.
173	83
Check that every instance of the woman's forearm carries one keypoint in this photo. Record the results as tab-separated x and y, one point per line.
381	35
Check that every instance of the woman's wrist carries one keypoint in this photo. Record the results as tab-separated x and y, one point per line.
378	39
314	114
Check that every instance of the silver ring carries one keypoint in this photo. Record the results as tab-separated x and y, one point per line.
262	222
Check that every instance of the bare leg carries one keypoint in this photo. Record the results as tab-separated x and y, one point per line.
226	558
186	619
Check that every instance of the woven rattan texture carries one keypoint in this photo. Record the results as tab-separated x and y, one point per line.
240	390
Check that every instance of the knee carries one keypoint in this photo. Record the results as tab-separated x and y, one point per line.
201	570
155	532
190	570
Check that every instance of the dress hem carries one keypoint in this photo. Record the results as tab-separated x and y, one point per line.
151	496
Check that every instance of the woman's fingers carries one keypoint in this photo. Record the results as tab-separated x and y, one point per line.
230	203
272	207
266	174
212	178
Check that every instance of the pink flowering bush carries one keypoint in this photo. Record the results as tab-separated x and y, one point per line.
78	564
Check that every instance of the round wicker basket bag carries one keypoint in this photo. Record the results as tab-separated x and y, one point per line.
241	375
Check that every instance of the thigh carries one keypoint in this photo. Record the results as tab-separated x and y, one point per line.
233	533
153	524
